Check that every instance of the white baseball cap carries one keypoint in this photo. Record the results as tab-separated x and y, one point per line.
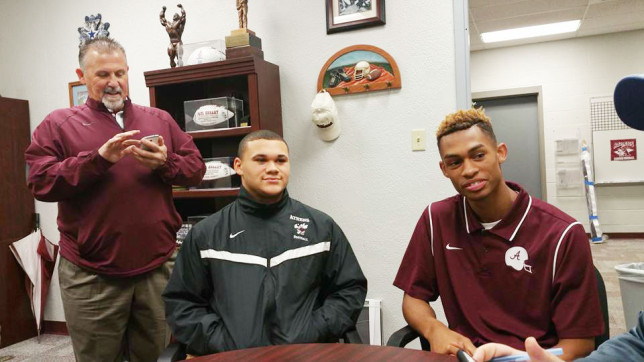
325	116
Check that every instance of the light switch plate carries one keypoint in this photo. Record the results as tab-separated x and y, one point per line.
418	140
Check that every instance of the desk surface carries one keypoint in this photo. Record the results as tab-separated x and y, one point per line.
326	352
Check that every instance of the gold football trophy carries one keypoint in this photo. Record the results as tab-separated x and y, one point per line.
243	42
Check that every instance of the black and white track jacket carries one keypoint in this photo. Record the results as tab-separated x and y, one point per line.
255	275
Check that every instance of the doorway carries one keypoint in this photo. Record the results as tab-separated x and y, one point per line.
517	120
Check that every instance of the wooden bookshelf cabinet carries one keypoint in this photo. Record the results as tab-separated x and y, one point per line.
251	79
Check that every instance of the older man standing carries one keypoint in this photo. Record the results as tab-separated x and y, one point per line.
116	215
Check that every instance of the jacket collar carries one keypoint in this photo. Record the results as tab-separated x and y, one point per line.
510	224
249	205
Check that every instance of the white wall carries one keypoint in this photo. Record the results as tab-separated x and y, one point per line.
368	179
570	72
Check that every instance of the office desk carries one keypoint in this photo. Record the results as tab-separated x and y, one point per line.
327	352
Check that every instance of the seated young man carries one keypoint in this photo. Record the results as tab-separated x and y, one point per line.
506	265
265	269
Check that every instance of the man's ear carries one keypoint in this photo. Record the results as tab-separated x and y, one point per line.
442	166
81	76
502	152
237	166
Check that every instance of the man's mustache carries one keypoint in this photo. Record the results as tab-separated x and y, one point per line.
112	90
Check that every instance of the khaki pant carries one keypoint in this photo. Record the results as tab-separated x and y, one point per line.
110	319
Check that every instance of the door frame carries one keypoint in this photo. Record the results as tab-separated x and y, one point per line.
524	91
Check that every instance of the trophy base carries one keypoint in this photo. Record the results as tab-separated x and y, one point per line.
245	51
243	37
241	31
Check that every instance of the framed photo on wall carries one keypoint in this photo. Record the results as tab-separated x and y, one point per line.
77	93
343	15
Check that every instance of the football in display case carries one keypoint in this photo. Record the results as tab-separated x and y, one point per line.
219	174
204	52
213	113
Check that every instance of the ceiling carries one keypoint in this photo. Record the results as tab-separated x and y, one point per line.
597	17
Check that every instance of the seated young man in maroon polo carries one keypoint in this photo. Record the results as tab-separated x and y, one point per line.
506	265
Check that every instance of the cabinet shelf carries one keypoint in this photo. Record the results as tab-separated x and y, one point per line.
224	132
198	72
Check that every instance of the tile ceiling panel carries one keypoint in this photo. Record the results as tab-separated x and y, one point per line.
528	20
598	17
527	8
485	3
615	7
611	24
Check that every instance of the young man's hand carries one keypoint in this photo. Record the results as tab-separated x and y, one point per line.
446	341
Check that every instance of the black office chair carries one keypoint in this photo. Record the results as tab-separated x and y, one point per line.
177	351
406	334
403	336
603	303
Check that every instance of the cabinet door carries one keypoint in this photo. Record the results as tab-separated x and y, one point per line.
16	221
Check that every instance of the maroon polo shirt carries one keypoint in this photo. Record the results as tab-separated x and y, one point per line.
530	275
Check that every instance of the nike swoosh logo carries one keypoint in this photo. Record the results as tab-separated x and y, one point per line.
235	234
453	248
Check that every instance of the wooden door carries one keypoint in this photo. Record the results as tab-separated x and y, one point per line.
16	221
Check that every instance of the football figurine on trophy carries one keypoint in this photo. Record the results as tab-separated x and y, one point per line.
175	30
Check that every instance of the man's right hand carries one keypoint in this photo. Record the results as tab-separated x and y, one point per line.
115	149
445	341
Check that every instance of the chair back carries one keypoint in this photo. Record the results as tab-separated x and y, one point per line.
603	303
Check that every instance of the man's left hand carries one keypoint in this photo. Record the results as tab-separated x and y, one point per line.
154	158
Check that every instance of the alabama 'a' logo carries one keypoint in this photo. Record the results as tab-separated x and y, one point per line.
515	257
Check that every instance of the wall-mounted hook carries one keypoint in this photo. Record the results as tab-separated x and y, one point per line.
346	89
366	86
388	84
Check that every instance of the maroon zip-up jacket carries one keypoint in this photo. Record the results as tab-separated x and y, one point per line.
114	219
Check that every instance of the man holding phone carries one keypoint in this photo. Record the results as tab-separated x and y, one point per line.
116	214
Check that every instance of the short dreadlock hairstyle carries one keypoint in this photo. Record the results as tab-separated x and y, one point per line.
465	119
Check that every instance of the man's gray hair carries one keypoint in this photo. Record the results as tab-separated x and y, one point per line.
102	45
